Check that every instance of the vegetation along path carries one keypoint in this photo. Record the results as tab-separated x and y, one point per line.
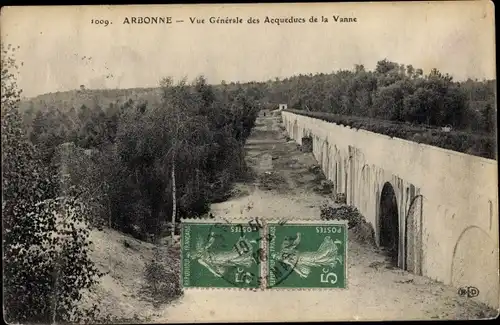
284	187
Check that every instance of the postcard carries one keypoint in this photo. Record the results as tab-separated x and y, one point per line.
284	162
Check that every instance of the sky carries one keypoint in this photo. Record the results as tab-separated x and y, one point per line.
61	49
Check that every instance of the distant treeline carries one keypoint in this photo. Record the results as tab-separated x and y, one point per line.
414	103
391	92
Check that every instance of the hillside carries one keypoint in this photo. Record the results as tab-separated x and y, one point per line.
77	98
64	100
123	293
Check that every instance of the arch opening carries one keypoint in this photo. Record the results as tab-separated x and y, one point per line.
389	223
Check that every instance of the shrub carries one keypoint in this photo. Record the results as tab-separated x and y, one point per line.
162	282
346	212
361	230
325	187
340	198
271	181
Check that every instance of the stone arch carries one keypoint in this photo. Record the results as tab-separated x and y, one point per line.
308	143
326	158
345	172
389	222
321	154
295	130
331	162
475	263
317	144
369	193
359	188
364	187
351	173
413	236
338	170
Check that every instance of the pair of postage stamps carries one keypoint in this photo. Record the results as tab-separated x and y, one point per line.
259	254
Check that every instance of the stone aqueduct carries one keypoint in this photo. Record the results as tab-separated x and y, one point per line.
444	204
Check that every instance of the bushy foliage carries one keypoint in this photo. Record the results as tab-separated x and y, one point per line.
45	236
10	95
48	266
196	131
359	229
344	212
162	282
193	130
85	174
392	92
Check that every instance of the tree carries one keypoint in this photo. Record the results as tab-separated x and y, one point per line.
10	94
384	66
45	247
489	118
359	68
410	70
389	102
178	103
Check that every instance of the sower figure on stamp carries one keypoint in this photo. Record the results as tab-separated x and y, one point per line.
301	262
217	262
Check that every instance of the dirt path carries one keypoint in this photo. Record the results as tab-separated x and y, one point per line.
284	188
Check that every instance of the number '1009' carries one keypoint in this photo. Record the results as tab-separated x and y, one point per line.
328	230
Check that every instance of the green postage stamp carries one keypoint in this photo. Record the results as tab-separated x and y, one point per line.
307	254
221	254
251	254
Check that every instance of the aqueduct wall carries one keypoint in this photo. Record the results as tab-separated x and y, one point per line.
447	202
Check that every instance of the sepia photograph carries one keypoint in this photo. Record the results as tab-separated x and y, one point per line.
239	163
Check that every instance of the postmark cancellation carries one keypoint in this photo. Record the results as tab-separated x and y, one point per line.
221	254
